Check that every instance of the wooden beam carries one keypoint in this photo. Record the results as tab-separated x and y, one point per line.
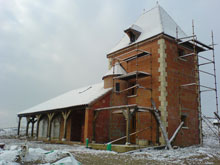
50	117
32	128
117	107
156	112
134	133
128	139
65	117
217	115
135	86
176	132
27	126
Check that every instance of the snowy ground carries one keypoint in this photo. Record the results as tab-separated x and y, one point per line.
41	153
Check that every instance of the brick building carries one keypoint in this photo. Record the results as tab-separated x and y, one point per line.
147	64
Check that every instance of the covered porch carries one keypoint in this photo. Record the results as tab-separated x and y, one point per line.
58	125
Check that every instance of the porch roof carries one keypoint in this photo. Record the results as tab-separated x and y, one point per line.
78	97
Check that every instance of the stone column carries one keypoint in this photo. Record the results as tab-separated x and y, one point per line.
65	118
19	125
50	117
32	129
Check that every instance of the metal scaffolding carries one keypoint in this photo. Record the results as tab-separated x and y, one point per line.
198	47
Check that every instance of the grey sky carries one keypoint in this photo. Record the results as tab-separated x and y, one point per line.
50	47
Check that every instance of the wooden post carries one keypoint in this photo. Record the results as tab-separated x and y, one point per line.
65	117
176	132
38	122
93	124
32	129
128	139
27	126
19	125
127	116
50	117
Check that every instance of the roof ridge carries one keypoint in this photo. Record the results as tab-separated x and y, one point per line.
149	9
179	28
160	18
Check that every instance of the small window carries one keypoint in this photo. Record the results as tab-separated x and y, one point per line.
181	52
132	37
133	124
117	87
184	119
133	90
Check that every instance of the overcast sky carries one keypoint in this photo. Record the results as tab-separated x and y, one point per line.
50	47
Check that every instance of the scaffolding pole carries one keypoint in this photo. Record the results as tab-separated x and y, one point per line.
213	56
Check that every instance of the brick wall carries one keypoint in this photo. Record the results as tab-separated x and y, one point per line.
102	121
150	65
181	101
168	73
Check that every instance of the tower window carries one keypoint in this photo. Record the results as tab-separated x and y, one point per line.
133	32
117	87
132	36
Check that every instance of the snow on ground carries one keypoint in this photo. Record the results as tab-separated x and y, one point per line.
40	153
13	154
11	132
200	154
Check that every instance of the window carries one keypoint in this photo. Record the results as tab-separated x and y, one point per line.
132	37
133	122
184	119
181	52
117	87
132	91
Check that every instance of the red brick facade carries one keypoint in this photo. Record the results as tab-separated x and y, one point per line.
176	104
180	101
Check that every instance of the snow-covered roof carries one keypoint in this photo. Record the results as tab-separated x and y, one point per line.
152	23
77	97
118	70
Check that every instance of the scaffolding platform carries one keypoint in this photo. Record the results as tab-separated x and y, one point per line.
133	75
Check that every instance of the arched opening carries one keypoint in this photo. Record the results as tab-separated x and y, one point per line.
43	126
55	127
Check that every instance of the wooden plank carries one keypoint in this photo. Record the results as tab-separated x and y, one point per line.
117	107
134	133
128	118
27	126
19	125
176	132
217	115
135	86
190	84
156	112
